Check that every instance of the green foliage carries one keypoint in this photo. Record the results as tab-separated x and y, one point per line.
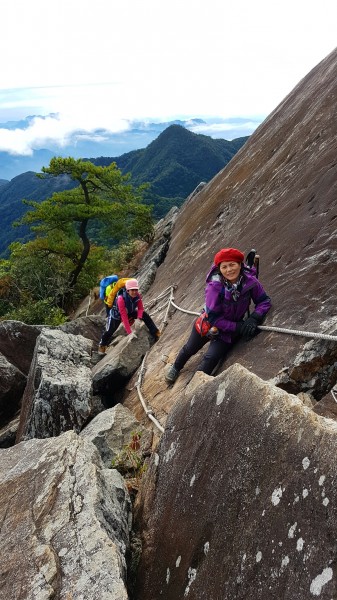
173	164
121	256
42	312
105	198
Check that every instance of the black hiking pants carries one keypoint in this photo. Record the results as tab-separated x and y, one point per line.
216	351
112	325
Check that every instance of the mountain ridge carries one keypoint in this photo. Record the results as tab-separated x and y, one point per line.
174	164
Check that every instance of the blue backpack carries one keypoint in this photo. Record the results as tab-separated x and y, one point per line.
103	284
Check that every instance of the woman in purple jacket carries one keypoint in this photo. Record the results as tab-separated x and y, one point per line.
230	287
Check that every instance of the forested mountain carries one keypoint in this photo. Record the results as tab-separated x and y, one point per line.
173	164
26	186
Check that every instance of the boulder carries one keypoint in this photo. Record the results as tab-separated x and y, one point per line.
112	429
239	499
12	385
90	327
65	522
314	369
8	433
58	395
17	343
123	357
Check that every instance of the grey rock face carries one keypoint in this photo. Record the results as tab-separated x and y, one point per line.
58	395
12	385
17	343
112	429
65	522
123	358
314	370
155	256
90	327
240	499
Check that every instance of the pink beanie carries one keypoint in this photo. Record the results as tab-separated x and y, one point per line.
132	284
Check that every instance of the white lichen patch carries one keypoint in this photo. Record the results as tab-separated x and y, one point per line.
296	499
299	544
305	463
292	530
258	557
319	581
285	562
221	393
192	401
305	493
168	575
326	501
276	496
156	459
192	573
206	548
178	561
192	480
171	452
321	480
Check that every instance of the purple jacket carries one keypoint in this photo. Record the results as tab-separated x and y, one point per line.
224	311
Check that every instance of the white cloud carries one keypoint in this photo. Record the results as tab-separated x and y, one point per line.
101	65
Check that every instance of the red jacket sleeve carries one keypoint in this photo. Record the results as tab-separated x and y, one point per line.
124	315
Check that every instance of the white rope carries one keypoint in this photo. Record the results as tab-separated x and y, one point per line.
170	290
190	312
147	410
333	395
310	334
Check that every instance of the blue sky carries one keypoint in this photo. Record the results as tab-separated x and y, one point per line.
100	65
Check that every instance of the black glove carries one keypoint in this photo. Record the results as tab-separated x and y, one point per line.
249	327
213	333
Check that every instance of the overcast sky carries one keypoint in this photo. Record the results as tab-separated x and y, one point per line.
102	63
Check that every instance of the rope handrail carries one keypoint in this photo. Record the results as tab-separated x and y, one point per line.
147	410
311	334
170	290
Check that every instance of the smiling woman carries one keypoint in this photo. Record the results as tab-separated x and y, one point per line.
230	287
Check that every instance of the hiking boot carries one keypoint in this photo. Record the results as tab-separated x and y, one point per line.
171	374
101	349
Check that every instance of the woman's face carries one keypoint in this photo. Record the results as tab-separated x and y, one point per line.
133	293
230	270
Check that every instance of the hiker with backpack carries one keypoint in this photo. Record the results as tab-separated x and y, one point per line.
231	285
105	286
125	308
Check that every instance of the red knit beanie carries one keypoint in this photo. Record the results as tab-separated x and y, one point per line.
228	254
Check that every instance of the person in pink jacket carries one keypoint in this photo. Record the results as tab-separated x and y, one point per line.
127	307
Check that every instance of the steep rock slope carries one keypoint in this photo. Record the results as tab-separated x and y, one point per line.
239	500
278	194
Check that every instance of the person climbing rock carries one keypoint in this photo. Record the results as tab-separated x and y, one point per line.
230	288
127	307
